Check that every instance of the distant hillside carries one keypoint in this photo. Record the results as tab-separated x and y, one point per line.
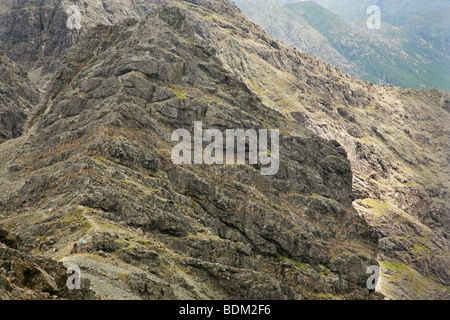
428	20
388	55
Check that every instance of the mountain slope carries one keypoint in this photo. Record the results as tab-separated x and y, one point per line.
290	28
389	55
396	140
426	23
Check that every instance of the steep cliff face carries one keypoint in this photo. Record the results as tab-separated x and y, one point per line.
37	33
96	165
17	97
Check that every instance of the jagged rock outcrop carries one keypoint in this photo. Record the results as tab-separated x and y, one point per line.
37	33
17	97
27	277
96	161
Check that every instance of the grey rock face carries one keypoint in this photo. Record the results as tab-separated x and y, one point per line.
36	35
17	97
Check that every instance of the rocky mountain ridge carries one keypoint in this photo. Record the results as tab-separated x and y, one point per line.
395	139
35	33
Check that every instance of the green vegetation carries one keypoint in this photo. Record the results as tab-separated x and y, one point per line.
100	159
408	277
396	265
379	208
180	94
420	247
194	204
300	265
325	270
